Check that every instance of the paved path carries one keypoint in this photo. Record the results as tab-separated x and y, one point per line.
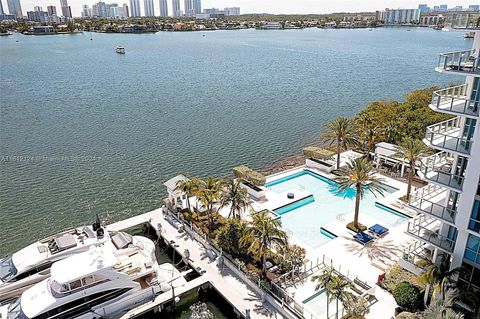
233	288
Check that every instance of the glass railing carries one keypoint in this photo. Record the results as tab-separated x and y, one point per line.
428	200
427	229
416	253
459	61
437	168
443	135
454	99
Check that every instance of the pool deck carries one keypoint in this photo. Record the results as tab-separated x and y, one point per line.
352	258
230	286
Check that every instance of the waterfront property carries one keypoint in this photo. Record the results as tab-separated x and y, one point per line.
448	227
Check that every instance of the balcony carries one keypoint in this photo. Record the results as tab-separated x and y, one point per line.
427	230
431	200
437	169
414	255
444	136
459	62
454	101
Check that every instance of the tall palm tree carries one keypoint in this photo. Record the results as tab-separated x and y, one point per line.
187	186
359	174
338	291
208	194
411	150
440	277
323	280
235	197
263	235
339	132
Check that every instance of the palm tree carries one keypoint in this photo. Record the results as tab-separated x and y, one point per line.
337	289
208	194
323	280
440	277
236	197
359	174
437	310
369	136
411	150
341	133
263	235
467	298
187	186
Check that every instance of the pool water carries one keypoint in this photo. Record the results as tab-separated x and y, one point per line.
318	305
303	219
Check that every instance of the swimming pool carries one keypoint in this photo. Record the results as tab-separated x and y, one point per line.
304	218
318	304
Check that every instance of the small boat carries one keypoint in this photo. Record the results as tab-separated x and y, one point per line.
469	35
370	29
119	49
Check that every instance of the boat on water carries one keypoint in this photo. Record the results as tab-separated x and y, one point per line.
120	49
33	263
99	283
469	35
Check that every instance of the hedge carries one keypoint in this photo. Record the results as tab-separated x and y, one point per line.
249	175
317	153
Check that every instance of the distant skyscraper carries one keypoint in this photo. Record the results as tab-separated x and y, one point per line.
197	6
126	12
15	8
1	8
473	7
233	11
37	9
189	11
163	8
176	8
424	8
148	6
443	7
66	10
52	10
135	8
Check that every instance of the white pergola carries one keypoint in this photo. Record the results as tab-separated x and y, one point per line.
385	152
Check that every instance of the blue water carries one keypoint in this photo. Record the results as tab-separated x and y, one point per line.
304	221
318	304
84	130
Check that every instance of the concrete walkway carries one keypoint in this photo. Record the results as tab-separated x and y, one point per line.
233	288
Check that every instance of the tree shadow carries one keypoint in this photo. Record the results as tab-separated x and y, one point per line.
379	249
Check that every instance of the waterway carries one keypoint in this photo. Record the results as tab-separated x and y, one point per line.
84	130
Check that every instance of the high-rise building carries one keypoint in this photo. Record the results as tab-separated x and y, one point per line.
37	9
197	6
1	8
52	10
443	7
448	224
148	7
189	10
474	7
233	11
399	16
176	8
126	11
15	8
423	8
163	5
135	8
66	10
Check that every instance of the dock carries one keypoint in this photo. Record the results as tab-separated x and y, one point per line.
240	294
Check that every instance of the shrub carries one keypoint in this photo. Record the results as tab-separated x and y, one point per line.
357	230
396	275
407	296
246	173
289	258
317	153
228	237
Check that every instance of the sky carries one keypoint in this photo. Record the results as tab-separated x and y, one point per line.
264	6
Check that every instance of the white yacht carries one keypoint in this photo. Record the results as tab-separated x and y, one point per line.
100	283
32	264
120	49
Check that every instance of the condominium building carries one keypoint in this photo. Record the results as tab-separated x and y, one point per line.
135	8
163	5
52	10
176	8
15	8
448	224
233	11
197	6
1	8
148	7
66	10
398	16
189	10
126	10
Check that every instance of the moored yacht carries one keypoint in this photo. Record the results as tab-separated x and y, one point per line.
99	283
120	49
32	264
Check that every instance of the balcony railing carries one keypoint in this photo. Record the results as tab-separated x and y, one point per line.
437	168
416	254
427	229
454	100
444	135
431	200
459	61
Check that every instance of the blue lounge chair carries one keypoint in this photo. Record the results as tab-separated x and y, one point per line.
378	230
363	238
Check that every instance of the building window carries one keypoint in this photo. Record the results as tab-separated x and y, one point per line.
469	277
475	217
472	251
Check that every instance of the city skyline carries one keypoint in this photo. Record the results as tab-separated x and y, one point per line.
268	6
